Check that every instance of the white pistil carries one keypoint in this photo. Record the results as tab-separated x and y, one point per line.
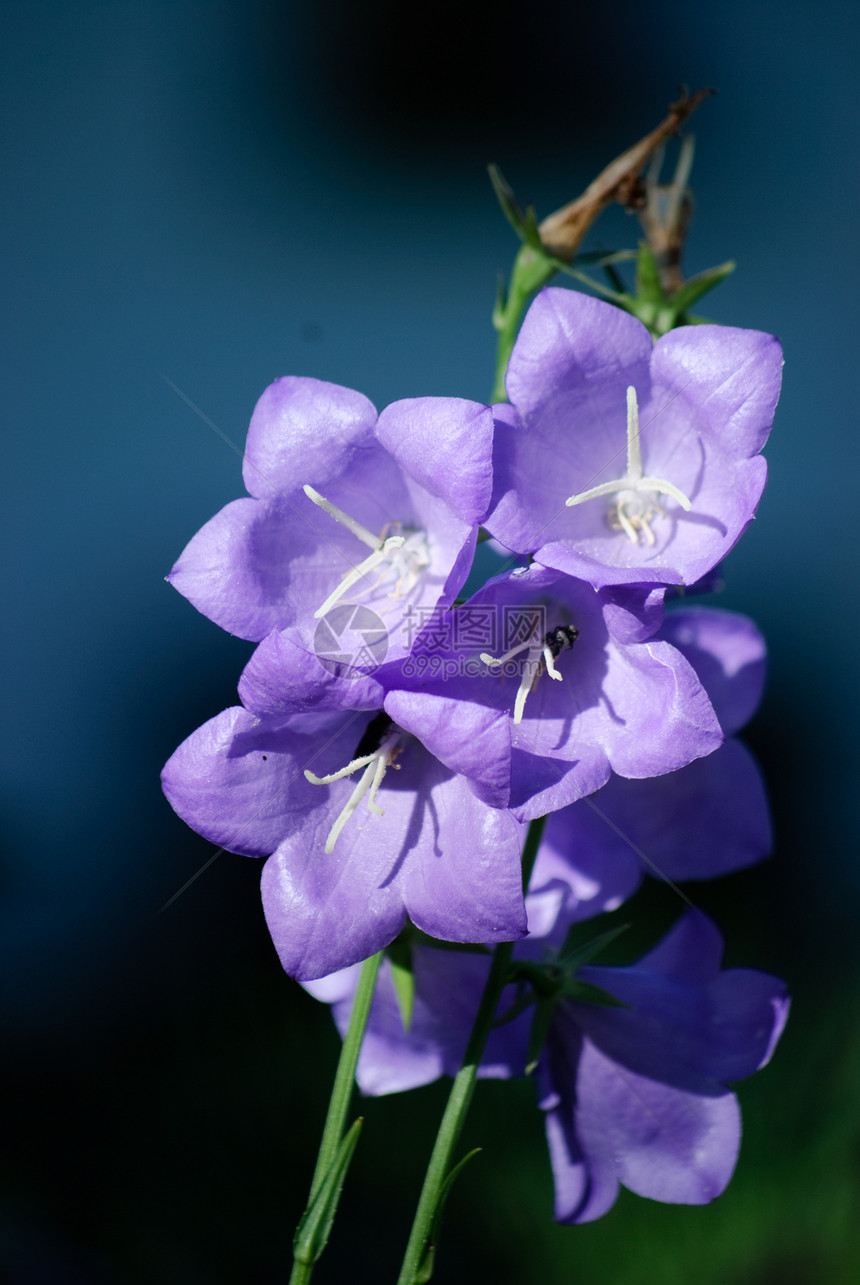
637	503
375	766
372	541
385	549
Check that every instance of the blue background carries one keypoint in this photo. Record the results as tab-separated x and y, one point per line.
218	194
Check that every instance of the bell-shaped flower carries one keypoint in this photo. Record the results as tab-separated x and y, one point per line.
634	1094
356	520
365	824
622	461
582	701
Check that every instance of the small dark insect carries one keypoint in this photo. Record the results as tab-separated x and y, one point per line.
560	639
265	756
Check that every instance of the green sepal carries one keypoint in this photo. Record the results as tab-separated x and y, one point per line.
402	975
541	1022
543	978
524	1000
604	258
315	1226
620	299
648	288
574	956
585	993
425	1270
511	207
693	290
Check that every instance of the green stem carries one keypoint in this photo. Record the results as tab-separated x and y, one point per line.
462	1089
341	1093
532	269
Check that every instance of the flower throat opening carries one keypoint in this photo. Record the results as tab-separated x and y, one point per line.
379	746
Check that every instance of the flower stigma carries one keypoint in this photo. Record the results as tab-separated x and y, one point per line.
380	745
637	504
542	653
404	555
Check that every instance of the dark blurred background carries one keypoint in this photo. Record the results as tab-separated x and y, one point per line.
223	193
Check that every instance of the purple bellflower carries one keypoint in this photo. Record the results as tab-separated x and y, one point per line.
621	461
701	821
347	507
582	701
365	824
633	1095
637	1096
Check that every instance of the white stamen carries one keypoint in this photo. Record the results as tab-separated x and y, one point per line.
549	661
381	764
493	662
344	771
375	766
531	669
637	494
407	564
357	573
352	803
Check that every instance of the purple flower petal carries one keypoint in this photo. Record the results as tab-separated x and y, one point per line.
444	443
464	735
706	396
728	653
704	820
613	1126
239	781
305	430
283	677
437	853
688	1025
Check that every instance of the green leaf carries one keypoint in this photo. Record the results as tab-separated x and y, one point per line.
315	1226
400	962
425	1270
691	291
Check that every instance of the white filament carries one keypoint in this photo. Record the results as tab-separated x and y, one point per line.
406	555
375	766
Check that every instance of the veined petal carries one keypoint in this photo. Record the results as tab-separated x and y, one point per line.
445	444
729	655
304	429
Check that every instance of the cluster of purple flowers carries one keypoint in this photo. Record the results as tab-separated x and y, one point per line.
393	741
